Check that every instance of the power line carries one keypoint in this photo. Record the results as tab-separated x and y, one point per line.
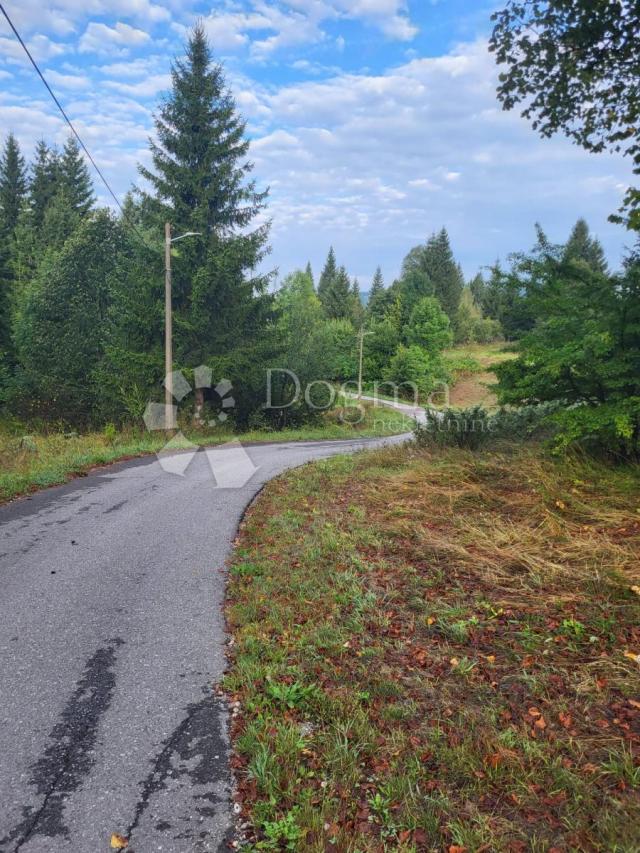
68	120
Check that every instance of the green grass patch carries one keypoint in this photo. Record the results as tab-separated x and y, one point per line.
30	461
437	651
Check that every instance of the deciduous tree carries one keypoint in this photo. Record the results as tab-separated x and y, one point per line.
573	66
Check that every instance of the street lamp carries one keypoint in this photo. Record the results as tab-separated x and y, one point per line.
168	322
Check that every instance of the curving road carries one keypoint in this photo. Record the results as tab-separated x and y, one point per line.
111	641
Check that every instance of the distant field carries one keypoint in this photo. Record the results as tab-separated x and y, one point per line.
470	365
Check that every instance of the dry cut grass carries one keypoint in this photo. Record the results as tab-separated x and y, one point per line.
440	652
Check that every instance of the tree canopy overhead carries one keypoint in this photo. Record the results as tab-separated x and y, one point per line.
574	67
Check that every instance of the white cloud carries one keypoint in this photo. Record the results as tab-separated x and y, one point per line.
389	15
266	27
135	67
148	88
40	46
63	16
374	163
99	38
67	81
423	184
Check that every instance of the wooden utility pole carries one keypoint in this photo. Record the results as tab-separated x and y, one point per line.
168	331
361	336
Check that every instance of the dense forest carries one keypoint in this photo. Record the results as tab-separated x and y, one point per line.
82	293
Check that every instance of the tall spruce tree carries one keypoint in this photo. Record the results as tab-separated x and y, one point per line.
431	270
61	218
13	185
581	246
414	283
74	178
380	299
478	288
357	308
444	272
377	284
338	301
133	366
44	183
309	272
200	181
5	314
327	275
61	323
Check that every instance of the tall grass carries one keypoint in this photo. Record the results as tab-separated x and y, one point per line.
32	460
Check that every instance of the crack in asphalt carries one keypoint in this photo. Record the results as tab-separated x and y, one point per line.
68	758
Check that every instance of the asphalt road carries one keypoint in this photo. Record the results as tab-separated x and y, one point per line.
111	640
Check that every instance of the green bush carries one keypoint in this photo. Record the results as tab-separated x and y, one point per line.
612	429
536	420
469	428
474	427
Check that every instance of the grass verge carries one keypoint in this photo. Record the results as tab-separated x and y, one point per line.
439	652
35	461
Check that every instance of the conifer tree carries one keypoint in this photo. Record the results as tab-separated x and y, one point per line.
44	183
443	271
377	283
431	270
309	272
61	218
200	181
61	322
429	327
5	314
133	367
337	300
478	288
13	185
74	178
381	300
327	275
583	247
357	308
377	303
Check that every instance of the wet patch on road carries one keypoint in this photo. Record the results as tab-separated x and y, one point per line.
70	754
194	758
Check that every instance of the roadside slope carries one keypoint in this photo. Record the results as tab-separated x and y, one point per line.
439	651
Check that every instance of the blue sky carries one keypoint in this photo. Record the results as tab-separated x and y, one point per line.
374	122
